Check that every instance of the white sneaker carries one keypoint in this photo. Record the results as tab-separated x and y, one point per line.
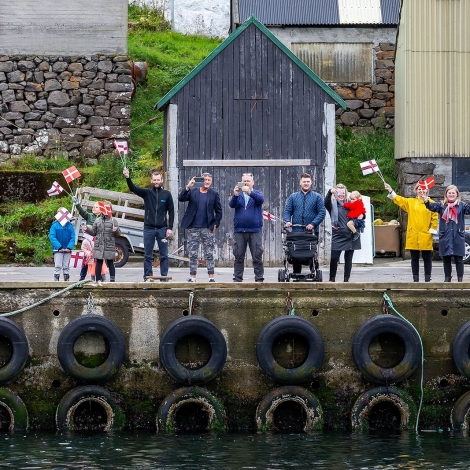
191	279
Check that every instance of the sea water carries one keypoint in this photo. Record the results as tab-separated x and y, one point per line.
144	450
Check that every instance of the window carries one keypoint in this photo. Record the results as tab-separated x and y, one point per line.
337	62
461	173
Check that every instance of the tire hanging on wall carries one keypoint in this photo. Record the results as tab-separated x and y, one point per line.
386	324
15	407
183	396
364	404
307	400
193	325
460	414
290	325
460	347
67	407
20	349
91	324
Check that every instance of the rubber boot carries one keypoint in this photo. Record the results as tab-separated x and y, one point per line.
427	278
447	278
66	277
415	277
112	279
460	279
56	277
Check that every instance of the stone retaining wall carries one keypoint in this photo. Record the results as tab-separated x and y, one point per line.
371	104
69	105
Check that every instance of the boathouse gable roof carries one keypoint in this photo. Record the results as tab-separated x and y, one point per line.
251	21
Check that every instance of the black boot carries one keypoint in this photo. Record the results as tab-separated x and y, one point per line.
460	279
346	278
112	279
56	277
66	277
447	278
415	277
332	279
427	278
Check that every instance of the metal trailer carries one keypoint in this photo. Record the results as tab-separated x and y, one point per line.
128	209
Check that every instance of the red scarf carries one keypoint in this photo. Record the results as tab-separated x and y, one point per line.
450	213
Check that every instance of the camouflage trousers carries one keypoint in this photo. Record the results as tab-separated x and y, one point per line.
196	237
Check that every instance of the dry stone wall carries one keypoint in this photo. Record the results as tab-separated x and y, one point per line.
371	104
75	106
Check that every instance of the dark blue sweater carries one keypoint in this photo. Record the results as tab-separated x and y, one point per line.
249	218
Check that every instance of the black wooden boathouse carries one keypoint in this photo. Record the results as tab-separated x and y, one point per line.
251	106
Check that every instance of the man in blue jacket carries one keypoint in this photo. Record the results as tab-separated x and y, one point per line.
247	227
306	208
159	215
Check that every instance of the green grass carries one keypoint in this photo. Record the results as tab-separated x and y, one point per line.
170	57
351	150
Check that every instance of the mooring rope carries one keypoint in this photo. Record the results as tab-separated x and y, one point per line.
389	301
24	309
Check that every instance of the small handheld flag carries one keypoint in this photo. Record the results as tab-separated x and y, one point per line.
121	146
106	210
427	184
371	166
76	259
268	216
71	174
55	189
63	216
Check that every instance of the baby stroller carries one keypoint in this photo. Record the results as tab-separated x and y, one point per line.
300	247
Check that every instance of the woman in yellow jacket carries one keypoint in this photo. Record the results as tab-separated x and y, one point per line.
422	223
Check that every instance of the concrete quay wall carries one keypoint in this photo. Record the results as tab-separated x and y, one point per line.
142	312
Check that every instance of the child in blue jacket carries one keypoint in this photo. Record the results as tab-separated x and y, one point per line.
63	241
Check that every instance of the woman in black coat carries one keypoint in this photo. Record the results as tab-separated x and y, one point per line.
342	237
451	230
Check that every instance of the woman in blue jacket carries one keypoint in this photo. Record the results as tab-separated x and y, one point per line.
62	238
452	213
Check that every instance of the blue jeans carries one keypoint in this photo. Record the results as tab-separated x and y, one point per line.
150	235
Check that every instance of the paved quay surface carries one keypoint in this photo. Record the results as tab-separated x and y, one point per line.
392	270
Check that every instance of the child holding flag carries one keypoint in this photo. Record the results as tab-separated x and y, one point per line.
106	229
62	237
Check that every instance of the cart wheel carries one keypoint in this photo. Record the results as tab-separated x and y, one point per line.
319	277
281	275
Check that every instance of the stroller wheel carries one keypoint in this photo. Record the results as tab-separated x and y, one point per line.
319	276
281	275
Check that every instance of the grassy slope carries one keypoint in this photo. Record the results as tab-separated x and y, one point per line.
170	57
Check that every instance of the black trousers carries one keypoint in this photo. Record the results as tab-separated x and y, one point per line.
111	267
427	259
348	257
448	265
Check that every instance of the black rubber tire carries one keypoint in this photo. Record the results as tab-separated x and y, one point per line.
295	325
88	324
281	275
461	413
267	406
172	402
460	347
20	349
16	409
72	399
365	403
192	325
386	324
122	253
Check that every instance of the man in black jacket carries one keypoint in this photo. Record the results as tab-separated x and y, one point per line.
158	203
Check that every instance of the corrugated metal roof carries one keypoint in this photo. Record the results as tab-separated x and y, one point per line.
320	12
290	12
390	11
